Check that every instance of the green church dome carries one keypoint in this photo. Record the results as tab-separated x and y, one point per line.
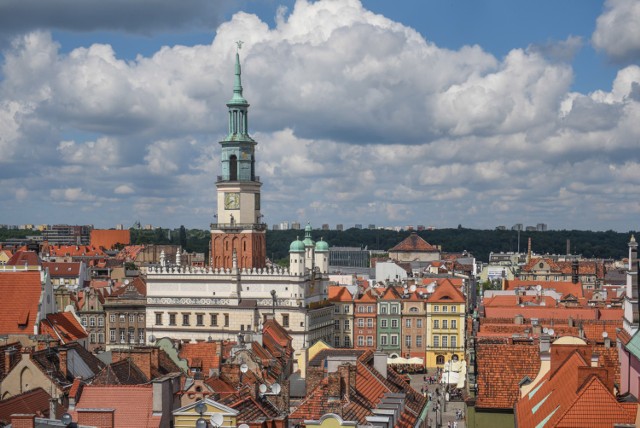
296	246
308	242
322	246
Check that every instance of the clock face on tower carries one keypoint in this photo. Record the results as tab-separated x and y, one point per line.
232	201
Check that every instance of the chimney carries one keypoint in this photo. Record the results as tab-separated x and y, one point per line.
8	356
347	378
529	250
20	420
574	271
380	363
62	356
545	343
568	246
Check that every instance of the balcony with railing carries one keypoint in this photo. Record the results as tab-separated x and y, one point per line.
220	179
239	226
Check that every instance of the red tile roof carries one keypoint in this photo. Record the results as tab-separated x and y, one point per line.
558	312
562	287
338	293
130	253
62	270
501	366
20	293
133	404
35	401
203	355
75	251
107	239
21	258
414	243
574	394
63	326
446	293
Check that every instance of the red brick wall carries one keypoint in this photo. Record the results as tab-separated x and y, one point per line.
23	421
223	244
102	419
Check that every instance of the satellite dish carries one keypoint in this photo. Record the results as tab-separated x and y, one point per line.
243	426
263	388
126	282
200	407
412	288
244	368
551	332
152	338
605	334
275	388
539	287
216	419
545	330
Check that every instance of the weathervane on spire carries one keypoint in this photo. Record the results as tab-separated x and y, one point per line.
239	45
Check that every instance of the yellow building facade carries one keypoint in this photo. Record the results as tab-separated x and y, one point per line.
445	326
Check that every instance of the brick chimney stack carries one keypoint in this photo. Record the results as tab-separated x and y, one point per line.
62	355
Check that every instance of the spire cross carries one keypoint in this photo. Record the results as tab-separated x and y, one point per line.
239	44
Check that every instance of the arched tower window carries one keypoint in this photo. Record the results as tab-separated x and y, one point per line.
233	168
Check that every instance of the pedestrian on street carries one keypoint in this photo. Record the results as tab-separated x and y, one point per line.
455	424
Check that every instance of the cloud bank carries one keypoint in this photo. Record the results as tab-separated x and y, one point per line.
359	119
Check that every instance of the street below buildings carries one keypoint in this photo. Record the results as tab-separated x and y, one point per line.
443	413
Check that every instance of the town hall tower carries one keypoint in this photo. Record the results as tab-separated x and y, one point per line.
238	239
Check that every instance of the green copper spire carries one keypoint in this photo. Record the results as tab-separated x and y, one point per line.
237	83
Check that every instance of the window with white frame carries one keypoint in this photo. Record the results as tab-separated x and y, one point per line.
336	309
444	323
418	341
100	322
346	309
454	324
360	340
347	325
369	340
419	323
453	341
361	322
436	308
383	339
383	309
383	323
394	323
394	340
336	325
369	309
347	342
112	318
444	341
112	335
436	341
84	321
407	322
394	309
361	309
454	308
369	322
444	308
336	341
436	323
407	341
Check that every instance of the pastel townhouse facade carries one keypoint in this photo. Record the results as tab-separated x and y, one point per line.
389	319
445	320
343	316
365	321
414	326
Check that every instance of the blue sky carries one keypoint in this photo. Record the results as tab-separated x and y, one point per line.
393	113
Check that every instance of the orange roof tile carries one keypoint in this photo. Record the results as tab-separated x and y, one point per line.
61	270
202	355
414	243
63	326
338	293
107	239
446	293
20	293
75	251
21	258
133	404
562	287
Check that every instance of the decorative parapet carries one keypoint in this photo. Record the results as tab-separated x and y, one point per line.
195	270
198	301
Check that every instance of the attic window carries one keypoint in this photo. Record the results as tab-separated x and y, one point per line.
23	318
